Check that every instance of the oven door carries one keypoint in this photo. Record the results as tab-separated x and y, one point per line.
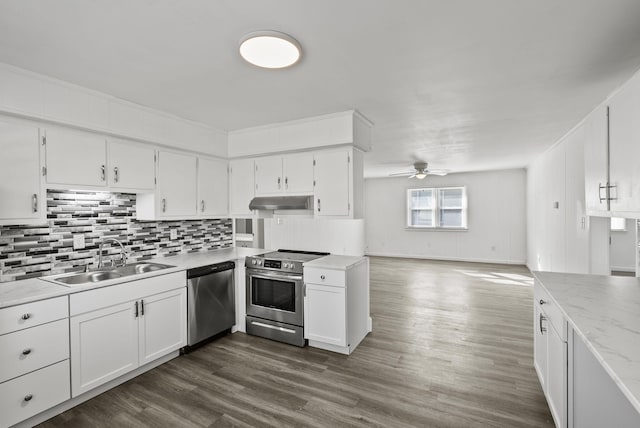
275	296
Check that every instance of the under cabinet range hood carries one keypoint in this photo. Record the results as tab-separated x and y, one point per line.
282	203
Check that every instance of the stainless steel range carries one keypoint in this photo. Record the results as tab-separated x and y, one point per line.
275	295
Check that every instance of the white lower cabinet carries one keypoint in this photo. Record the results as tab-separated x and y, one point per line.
336	306
550	354
117	329
34	358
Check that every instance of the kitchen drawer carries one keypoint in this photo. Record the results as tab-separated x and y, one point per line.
33	393
542	299
31	349
28	315
331	277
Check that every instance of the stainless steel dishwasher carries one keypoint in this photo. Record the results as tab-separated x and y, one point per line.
211	306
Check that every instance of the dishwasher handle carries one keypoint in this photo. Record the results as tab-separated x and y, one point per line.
207	270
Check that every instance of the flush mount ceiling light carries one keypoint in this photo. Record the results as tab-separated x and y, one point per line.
270	49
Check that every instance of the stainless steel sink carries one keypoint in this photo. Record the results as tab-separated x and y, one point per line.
107	274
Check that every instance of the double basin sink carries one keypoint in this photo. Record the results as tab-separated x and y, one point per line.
107	274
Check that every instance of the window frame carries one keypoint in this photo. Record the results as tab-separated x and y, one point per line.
436	208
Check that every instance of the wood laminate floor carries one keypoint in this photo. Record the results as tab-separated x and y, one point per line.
451	347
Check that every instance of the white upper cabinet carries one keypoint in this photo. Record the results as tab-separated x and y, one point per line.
176	185
268	176
595	161
332	171
131	166
213	187
75	158
288	174
624	148
297	170
20	190
241	187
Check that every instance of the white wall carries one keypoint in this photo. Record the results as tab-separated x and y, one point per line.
496	219
624	247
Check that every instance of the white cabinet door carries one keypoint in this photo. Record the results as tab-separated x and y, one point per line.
76	158
269	179
325	314
131	166
331	193
557	376
624	148
213	187
104	346
540	346
298	173
177	184
162	324
596	168
241	187
20	191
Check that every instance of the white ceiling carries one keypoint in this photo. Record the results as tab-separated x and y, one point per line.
463	84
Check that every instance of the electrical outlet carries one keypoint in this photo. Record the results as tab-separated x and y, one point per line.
78	241
173	234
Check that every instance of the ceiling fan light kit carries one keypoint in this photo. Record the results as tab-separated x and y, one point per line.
270	49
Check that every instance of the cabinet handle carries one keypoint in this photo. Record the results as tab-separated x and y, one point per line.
141	307
322	277
103	173
542	329
202	206
542	302
25	316
26	351
286	182
137	313
600	188
318	204
164	205
279	186
116	174
34	202
28	397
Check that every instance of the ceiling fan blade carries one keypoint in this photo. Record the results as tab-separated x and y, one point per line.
402	174
440	172
412	176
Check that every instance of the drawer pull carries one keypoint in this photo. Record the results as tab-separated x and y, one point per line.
28	397
26	351
542	329
322	277
542	302
26	316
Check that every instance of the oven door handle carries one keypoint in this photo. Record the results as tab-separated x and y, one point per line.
273	327
273	275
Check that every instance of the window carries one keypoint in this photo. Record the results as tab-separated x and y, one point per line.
618	224
438	207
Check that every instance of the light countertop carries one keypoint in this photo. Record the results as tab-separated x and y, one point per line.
29	290
605	312
334	261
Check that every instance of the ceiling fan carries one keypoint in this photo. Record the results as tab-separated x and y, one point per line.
420	171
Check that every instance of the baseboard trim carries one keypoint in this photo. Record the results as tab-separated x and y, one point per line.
448	259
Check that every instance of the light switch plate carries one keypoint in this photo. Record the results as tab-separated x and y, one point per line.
78	241
173	234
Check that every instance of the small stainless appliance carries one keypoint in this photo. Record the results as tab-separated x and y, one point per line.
211	307
275	296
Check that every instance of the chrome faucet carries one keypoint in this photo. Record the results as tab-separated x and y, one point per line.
123	254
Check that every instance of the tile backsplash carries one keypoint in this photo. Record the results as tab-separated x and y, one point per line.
29	251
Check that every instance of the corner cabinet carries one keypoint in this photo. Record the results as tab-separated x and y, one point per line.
339	183
117	329
21	193
241	187
550	353
336	306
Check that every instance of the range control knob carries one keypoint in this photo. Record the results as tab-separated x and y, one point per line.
253	262
259	262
